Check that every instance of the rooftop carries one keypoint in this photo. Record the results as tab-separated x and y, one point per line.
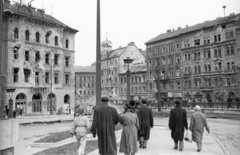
89	69
206	24
31	12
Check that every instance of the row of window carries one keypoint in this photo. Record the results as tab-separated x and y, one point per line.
187	43
27	74
86	92
207	82
229	50
134	79
38	57
133	90
84	78
37	37
164	61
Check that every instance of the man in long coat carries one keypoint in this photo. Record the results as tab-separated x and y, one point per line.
177	122
198	122
104	120
146	122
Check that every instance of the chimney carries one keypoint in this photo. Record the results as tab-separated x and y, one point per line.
7	1
186	26
168	30
131	43
41	11
172	29
179	28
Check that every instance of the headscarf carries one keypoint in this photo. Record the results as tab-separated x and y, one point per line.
197	107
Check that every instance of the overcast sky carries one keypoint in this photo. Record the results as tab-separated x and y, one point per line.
127	21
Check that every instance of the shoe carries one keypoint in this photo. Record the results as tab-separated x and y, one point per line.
198	150
140	146
175	148
180	149
144	147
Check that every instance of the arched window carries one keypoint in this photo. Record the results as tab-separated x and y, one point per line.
56	40
209	67
233	67
16	33
205	68
195	69
228	65
67	43
37	37
27	35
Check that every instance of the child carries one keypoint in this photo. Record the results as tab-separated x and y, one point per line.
79	129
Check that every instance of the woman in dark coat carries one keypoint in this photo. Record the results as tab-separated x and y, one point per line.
146	123
177	122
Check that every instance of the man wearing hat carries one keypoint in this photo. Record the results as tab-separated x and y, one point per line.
146	123
177	122
104	120
198	122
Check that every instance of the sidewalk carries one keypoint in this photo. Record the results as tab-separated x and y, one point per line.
161	143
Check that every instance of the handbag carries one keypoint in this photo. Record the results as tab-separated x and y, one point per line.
188	136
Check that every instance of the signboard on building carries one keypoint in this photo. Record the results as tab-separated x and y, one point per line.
173	94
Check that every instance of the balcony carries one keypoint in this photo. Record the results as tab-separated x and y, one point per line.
186	74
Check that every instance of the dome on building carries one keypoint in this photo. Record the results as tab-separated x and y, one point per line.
107	43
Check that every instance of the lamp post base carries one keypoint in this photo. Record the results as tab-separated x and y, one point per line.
8	151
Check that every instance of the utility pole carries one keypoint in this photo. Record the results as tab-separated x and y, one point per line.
98	57
158	84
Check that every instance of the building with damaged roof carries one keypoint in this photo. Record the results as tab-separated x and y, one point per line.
112	65
39	59
196	62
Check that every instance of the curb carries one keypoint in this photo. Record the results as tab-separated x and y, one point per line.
220	144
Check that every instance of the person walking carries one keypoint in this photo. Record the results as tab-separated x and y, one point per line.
237	102
130	122
104	120
146	123
197	124
229	101
177	122
80	126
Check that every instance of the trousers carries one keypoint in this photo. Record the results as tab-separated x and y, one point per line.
81	142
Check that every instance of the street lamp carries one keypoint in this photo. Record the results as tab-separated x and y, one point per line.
128	61
158	84
10	92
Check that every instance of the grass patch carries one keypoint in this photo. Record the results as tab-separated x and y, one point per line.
58	136
69	149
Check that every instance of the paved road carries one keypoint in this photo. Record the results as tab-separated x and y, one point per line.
223	140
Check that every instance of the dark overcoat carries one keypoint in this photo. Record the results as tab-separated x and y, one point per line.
146	121
177	122
104	120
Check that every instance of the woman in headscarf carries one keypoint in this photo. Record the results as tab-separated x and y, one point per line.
80	126
130	122
198	122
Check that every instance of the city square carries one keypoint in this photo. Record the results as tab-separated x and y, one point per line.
55	69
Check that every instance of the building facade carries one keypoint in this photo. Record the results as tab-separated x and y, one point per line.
137	83
85	85
197	62
112	65
39	59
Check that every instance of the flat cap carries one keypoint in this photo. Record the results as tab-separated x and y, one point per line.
144	101
104	98
177	102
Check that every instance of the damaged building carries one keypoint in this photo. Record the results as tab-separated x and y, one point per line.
196	62
39	57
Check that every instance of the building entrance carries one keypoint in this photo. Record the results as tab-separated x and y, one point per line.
36	103
21	103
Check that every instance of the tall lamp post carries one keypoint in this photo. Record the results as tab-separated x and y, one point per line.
128	61
158	84
10	92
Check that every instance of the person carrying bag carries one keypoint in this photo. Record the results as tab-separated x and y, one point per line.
188	136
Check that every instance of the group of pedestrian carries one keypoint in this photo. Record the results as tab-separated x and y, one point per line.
137	121
178	123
